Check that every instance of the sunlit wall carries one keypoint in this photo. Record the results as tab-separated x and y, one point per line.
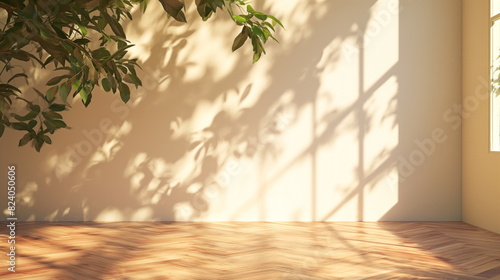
346	119
481	190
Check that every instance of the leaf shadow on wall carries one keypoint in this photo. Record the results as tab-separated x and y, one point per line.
155	158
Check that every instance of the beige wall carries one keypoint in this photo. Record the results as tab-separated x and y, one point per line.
481	191
347	119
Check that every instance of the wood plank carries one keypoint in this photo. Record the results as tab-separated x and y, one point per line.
291	250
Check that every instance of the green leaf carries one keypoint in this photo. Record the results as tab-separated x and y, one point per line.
4	106
124	92
118	52
267	33
276	40
56	80
239	19
34	108
64	91
114	24
69	48
106	84
256	57
84	94
26	138
82	41
250	9
44	34
51	115
204	9
47	61
101	53
57	107
144	6
54	124
132	79
256	30
7	87
240	39
20	126
174	9
32	123
5	120
39	93
131	68
76	84
257	45
20	55
269	25
17	76
46	139
59	32
83	29
260	16
29	116
78	55
113	83
101	22
51	93
275	20
60	123
38	143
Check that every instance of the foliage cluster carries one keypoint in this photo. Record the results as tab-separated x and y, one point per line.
61	34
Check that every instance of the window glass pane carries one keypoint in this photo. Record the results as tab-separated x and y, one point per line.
494	7
495	93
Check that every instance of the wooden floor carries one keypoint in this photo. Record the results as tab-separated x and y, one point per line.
252	251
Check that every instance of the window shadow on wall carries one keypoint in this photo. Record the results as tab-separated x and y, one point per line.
156	159
136	162
170	153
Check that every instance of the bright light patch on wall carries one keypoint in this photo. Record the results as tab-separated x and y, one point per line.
110	215
183	211
52	216
27	194
142	214
495	76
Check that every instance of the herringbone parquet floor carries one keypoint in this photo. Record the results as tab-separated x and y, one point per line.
395	250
